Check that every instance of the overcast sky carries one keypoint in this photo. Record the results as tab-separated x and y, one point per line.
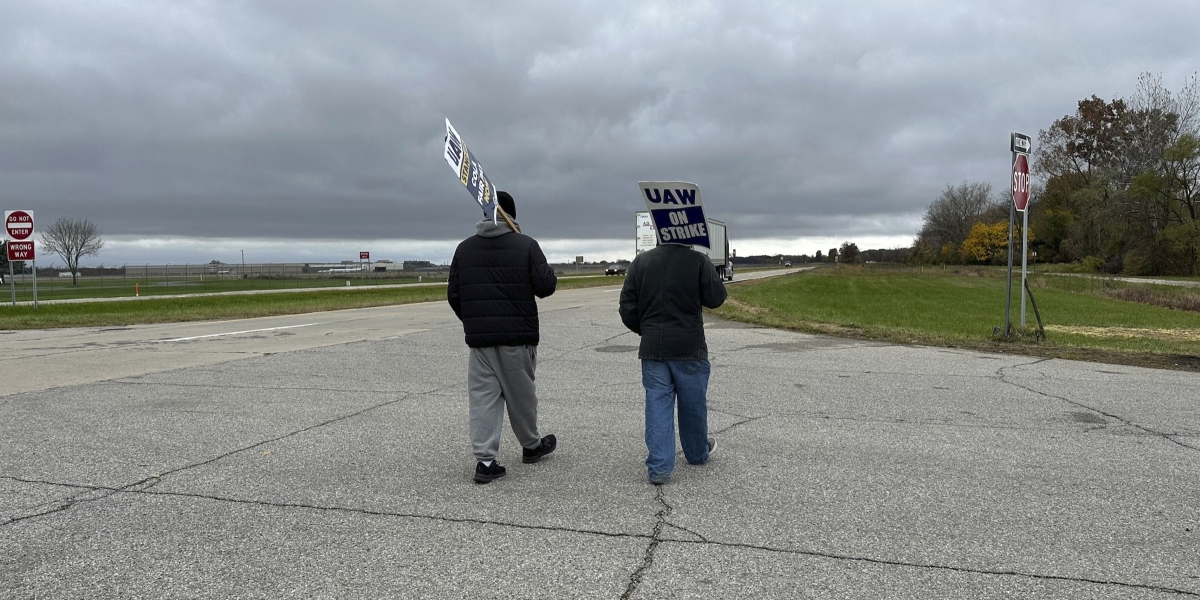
190	130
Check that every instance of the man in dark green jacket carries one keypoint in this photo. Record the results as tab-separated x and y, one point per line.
663	298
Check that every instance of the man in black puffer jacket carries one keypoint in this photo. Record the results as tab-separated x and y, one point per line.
494	278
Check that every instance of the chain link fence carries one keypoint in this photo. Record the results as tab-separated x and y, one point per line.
110	281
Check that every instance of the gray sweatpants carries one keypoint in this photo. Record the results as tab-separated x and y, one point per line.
500	376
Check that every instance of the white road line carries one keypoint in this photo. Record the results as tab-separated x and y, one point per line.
197	337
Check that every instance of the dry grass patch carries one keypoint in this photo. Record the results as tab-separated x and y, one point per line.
1175	335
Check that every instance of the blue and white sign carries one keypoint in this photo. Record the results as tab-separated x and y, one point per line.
677	211
469	172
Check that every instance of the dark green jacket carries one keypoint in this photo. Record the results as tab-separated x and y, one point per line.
664	291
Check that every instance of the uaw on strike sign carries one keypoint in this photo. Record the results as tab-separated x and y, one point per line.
470	174
677	211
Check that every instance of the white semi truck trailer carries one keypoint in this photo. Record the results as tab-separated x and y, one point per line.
718	237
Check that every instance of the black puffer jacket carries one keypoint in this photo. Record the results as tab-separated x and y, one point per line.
493	280
664	291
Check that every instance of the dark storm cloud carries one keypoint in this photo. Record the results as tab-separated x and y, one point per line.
294	119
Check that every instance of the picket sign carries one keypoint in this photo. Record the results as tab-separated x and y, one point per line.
471	175
677	210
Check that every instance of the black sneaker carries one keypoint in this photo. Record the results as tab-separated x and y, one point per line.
485	474
546	447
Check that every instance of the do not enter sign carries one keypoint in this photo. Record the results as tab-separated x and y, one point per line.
18	224
1020	182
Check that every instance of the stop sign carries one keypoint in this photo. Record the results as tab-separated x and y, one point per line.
1020	182
18	224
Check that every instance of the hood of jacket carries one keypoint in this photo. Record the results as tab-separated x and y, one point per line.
486	228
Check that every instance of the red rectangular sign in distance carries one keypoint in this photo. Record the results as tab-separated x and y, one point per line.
20	250
364	256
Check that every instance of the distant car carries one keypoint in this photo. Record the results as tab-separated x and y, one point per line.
614	270
787	264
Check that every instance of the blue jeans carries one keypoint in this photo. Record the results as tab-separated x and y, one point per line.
665	380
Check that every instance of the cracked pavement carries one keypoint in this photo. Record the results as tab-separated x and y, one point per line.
331	461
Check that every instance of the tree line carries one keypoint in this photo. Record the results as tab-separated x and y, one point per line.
1118	190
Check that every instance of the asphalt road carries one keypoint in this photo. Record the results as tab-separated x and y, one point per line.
326	456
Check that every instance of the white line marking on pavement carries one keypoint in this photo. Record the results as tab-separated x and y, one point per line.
197	337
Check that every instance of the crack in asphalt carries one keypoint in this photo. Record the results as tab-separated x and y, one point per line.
118	382
585	347
742	422
635	579
384	513
896	563
275	439
813	416
1001	375
88	494
660	521
688	531
732	414
149	482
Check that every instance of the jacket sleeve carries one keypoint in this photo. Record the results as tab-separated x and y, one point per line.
541	276
712	290
452	288
629	300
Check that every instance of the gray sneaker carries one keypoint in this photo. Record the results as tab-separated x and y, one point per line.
712	444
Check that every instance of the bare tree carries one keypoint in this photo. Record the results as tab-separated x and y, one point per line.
73	239
950	218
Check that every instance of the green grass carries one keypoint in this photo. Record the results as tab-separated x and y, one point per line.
61	288
960	308
167	309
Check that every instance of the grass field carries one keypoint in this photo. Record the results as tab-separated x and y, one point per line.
60	288
1085	318
961	307
167	309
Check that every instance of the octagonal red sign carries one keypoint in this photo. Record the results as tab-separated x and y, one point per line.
1020	182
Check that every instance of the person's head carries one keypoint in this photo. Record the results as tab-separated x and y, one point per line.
506	202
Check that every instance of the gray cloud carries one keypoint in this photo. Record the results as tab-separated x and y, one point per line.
304	119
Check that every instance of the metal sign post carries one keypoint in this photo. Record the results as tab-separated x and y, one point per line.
18	226
21	251
1008	292
1024	259
1019	144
